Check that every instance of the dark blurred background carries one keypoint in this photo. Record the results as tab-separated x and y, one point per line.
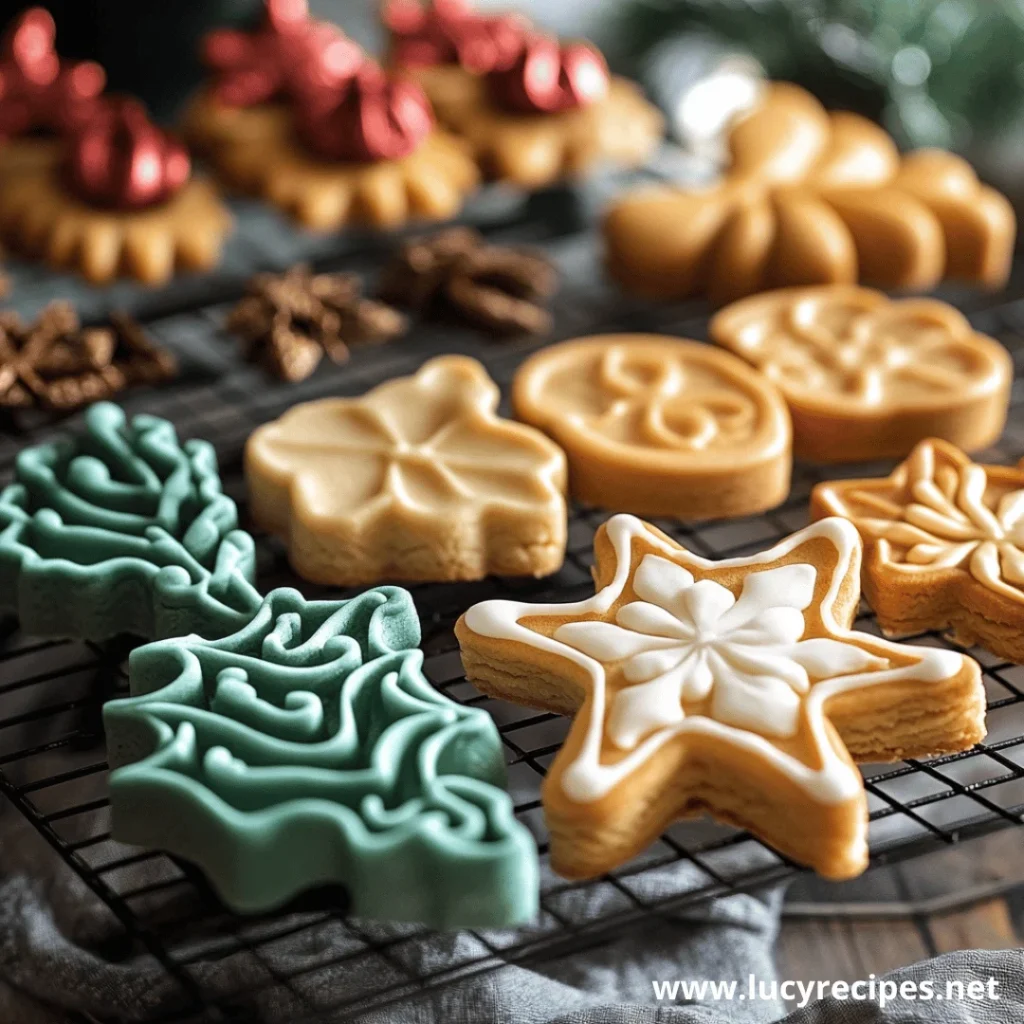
935	72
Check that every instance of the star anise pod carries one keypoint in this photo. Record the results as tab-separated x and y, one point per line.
456	275
288	321
54	363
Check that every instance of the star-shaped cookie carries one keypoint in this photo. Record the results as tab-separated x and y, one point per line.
944	539
734	687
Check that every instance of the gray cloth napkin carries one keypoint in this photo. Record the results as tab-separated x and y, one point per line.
53	929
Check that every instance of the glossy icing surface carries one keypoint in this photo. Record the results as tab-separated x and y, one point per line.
668	649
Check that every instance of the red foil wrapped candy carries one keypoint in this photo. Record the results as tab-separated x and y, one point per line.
452	32
373	117
39	92
290	54
122	161
548	77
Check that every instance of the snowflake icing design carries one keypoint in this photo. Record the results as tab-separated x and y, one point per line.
693	641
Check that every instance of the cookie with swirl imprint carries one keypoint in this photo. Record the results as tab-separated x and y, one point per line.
735	687
660	426
867	377
944	543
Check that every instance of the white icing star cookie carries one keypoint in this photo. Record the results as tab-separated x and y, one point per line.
734	687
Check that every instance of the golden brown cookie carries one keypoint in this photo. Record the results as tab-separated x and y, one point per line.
944	542
867	378
445	45
60	204
733	687
419	479
256	151
659	426
534	149
812	198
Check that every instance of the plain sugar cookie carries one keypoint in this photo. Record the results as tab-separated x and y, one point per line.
419	479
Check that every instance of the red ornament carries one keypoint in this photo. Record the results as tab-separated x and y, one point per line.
373	117
289	54
451	32
123	161
548	77
39	91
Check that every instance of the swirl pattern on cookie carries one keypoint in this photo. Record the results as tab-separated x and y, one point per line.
941	526
866	377
659	426
309	748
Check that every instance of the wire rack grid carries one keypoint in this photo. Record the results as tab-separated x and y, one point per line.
52	766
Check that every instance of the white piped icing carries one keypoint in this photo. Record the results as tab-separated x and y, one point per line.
690	640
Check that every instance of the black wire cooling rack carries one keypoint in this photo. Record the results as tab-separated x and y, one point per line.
52	766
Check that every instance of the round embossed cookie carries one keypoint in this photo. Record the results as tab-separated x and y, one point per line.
944	544
660	426
866	377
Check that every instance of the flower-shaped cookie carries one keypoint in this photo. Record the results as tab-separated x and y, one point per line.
123	530
945	546
867	378
533	146
117	197
418	480
346	144
309	748
659	426
735	687
265	156
812	198
444	44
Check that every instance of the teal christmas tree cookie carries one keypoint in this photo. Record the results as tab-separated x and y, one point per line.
122	529
309	748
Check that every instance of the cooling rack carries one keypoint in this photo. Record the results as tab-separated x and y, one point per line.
53	771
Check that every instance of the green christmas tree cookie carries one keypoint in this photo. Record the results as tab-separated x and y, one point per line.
122	529
308	748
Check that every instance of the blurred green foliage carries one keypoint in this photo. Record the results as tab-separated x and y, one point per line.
935	72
